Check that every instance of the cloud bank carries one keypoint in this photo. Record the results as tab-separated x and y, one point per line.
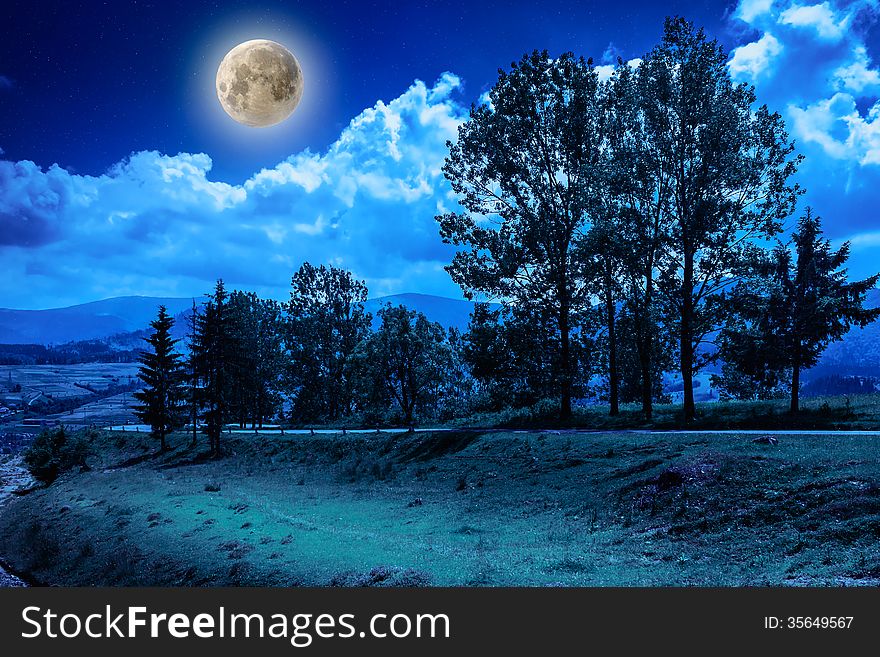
157	224
813	62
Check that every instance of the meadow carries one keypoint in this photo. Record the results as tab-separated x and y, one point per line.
464	508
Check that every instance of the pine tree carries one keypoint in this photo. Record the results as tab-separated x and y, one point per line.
211	354
160	372
797	301
193	389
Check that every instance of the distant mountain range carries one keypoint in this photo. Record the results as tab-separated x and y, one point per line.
120	315
125	318
87	321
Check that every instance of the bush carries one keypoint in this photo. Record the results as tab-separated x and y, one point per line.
53	452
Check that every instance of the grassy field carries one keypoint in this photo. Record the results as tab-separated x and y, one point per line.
835	412
461	508
61	381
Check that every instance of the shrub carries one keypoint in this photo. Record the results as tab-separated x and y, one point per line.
53	452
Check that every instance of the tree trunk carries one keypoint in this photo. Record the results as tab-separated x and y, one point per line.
686	346
647	378
195	419
645	344
565	358
613	374
795	388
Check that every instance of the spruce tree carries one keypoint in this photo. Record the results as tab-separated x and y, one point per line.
823	304
193	392
211	354
160	372
796	302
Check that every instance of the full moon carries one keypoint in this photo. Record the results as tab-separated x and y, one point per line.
259	83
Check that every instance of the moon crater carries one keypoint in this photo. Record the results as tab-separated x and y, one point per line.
259	83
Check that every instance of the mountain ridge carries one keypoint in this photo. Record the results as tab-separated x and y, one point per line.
101	319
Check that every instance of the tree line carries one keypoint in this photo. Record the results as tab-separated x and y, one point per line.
625	221
629	227
314	359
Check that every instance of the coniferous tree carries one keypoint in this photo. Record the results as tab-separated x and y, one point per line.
212	350
160	372
193	383
796	301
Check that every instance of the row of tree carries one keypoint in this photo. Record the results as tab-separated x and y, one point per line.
629	227
614	218
318	353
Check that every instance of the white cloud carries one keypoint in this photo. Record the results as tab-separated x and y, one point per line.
368	202
821	18
754	59
605	71
838	127
857	75
813	60
749	10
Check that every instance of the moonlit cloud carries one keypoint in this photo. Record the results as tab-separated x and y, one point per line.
606	70
753	59
821	18
748	10
821	74
857	75
158	224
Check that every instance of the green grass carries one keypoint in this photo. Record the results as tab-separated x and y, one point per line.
467	508
837	412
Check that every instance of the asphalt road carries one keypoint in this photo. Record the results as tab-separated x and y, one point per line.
142	428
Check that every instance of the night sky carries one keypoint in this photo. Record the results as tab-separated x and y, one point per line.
120	174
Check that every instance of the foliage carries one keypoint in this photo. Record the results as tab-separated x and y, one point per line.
402	365
160	372
796	301
326	321
723	168
256	358
523	167
53	452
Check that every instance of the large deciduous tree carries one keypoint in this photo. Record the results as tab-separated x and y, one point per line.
255	331
635	204
326	321
724	168
404	363
523	167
